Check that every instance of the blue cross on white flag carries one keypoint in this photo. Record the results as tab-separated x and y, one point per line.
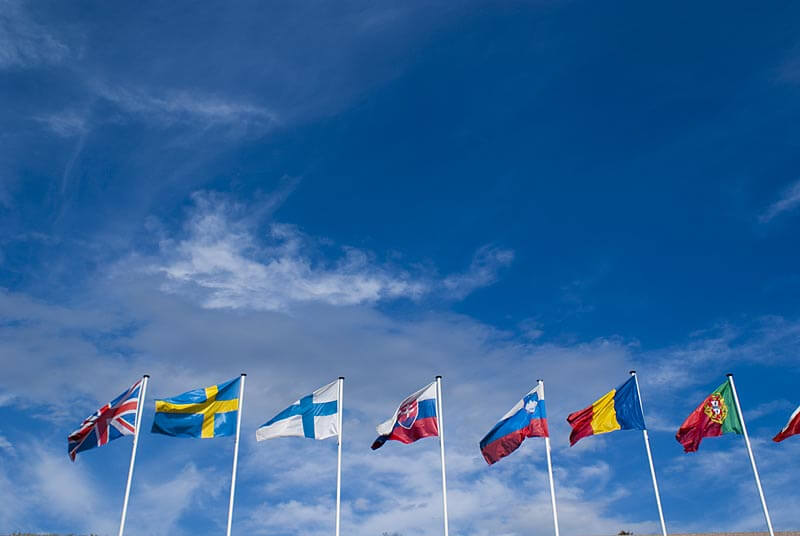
315	416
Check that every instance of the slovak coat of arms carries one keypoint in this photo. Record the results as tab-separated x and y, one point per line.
715	408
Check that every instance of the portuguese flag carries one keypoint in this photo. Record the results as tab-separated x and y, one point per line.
717	415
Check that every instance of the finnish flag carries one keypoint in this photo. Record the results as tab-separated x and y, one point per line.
315	416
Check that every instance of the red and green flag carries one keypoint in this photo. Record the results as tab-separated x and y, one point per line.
717	415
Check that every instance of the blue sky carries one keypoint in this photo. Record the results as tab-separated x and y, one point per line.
562	190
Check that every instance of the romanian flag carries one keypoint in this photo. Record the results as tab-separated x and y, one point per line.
619	409
715	416
201	413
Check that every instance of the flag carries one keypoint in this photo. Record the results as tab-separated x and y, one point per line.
112	421
619	409
204	413
315	416
526	419
792	427
413	419
716	415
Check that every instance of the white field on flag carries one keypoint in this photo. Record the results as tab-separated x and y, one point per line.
386	427
314	416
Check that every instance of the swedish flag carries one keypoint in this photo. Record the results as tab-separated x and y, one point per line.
203	413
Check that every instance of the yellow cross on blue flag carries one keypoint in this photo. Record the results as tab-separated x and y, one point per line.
201	413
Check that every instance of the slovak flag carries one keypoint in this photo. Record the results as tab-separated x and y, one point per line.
112	421
526	419
413	419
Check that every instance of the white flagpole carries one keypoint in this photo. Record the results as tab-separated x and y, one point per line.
236	449
549	467
139	407
441	447
750	452
340	409
650	458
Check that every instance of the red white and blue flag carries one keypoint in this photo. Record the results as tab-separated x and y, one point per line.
413	419
112	421
526	419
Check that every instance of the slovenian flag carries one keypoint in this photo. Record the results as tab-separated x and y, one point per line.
413	419
619	409
526	419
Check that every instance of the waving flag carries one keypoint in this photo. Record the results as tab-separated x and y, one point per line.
112	421
618	409
792	427
526	419
715	416
201	413
315	416
413	419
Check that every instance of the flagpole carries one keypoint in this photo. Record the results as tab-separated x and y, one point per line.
549	467
339	464
441	448
650	458
750	453
139	407
236	450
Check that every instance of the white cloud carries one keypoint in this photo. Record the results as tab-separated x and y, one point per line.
5	443
23	42
227	266
789	200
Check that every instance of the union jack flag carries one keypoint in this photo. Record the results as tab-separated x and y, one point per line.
112	421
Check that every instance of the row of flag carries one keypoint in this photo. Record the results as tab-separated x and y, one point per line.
215	411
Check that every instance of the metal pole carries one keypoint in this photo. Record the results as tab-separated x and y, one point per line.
549	467
441	446
750	453
650	458
339	465
236	449
139	407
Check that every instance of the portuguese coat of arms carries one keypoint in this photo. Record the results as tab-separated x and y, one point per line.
715	408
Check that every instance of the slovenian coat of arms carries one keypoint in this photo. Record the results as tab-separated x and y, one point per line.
716	409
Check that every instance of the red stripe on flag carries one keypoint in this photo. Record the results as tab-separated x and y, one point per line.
581	422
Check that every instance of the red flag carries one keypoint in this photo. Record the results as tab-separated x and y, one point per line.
792	427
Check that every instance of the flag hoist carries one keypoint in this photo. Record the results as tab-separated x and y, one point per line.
315	416
528	418
214	411
720	413
619	409
418	416
120	417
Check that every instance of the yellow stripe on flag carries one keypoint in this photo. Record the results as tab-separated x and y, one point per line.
604	415
208	409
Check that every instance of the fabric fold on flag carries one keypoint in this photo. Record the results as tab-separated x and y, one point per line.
413	419
619	409
110	422
315	416
200	413
792	427
715	416
527	418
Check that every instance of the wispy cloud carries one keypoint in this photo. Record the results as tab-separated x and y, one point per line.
789	200
226	265
23	42
483	271
66	123
186	106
